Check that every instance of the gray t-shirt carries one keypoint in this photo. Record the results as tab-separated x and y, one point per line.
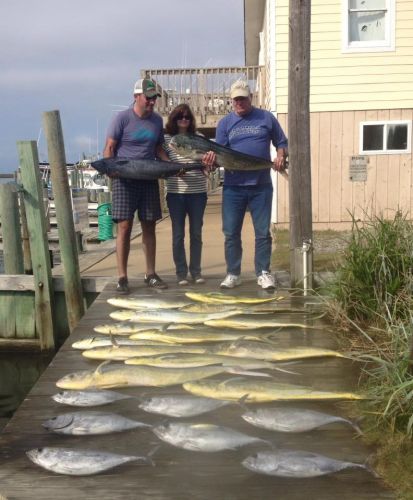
136	137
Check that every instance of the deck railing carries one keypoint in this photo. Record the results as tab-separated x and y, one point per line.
206	90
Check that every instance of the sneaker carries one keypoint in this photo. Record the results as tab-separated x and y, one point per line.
231	281
199	280
183	282
154	281
122	286
266	281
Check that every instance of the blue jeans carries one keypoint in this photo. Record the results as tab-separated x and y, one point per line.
191	205
236	201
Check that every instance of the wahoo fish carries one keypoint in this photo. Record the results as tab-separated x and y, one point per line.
223	298
262	350
80	462
122	352
261	392
297	464
87	423
142	169
203	437
184	360
292	419
146	303
115	375
88	398
172	316
194	147
193	336
92	342
126	328
251	324
180	406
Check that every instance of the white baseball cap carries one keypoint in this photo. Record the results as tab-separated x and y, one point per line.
240	88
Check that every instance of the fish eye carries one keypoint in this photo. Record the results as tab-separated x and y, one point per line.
39	450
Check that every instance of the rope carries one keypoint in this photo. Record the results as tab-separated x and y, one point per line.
105	222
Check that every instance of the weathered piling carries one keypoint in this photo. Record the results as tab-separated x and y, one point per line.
67	237
12	240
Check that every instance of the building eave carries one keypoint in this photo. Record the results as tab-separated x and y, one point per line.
253	21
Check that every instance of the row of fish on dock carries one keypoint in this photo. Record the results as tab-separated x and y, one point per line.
186	342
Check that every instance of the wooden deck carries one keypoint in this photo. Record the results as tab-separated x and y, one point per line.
180	474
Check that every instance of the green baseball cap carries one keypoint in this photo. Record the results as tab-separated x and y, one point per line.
147	87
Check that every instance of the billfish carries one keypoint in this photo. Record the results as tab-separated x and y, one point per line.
146	303
292	419
114	375
262	391
87	423
222	298
171	316
98	397
297	464
142	169
203	437
80	462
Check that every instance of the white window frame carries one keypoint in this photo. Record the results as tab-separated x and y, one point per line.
388	44
387	151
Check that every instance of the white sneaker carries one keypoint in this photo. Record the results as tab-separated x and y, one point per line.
231	281
266	281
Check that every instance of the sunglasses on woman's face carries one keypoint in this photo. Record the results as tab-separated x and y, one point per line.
181	116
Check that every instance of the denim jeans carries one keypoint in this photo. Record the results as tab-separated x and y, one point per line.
191	205
236	201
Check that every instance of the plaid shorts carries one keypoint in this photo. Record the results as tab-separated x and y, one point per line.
130	195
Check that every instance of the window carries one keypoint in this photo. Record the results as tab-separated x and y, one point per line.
392	137
368	25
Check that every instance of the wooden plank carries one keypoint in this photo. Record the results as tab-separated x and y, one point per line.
68	248
325	168
336	167
358	187
315	163
393	174
348	151
7	315
25	315
406	198
33	199
24	283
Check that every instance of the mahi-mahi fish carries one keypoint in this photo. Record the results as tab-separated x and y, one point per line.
92	342
126	328
98	397
170	316
146	303
77	462
262	391
297	464
114	375
142	169
88	423
203	437
251	324
222	298
122	352
194	336
284	419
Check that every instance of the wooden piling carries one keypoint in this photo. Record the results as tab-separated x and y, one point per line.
36	221
12	240
67	236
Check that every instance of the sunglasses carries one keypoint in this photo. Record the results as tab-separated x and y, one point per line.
183	117
151	98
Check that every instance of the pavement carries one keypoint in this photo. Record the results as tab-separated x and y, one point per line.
213	261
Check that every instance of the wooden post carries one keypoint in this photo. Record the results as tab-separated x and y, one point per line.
27	256
36	221
301	233
66	229
12	240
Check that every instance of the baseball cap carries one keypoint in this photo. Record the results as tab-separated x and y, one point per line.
147	87
240	88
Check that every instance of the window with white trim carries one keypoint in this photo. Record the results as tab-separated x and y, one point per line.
389	137
368	25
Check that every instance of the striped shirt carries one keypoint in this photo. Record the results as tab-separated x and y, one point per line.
193	181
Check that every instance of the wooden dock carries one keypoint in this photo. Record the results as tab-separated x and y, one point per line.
180	474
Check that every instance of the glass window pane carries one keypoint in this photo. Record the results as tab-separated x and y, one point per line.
373	137
367	4
367	27
397	137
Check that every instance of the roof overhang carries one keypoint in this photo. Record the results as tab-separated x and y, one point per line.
253	20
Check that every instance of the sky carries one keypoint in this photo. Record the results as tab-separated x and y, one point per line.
82	57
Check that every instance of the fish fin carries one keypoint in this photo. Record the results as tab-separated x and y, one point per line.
355	424
113	340
242	401
121	162
98	370
368	465
240	371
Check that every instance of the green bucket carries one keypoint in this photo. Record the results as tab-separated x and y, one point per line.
105	222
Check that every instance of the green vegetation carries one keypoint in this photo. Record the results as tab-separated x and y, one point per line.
371	298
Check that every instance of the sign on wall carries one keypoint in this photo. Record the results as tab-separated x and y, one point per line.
358	168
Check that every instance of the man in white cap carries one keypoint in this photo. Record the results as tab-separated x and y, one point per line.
136	132
249	130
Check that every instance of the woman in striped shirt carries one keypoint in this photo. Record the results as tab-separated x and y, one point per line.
186	196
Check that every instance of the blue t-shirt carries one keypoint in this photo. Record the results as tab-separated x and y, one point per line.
136	137
251	134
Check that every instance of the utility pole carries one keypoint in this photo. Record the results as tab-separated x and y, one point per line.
301	233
